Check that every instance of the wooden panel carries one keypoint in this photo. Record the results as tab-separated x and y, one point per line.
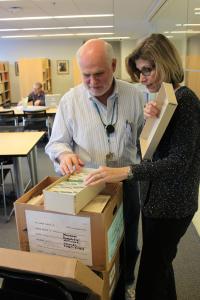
31	71
193	81
76	73
193	62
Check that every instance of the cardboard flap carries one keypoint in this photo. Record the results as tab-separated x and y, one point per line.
155	127
98	204
62	268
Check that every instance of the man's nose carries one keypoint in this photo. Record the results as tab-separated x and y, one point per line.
93	79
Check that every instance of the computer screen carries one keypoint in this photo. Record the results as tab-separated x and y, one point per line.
52	100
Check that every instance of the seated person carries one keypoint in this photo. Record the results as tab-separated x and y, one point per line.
37	96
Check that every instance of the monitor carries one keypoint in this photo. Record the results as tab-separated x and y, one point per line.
52	100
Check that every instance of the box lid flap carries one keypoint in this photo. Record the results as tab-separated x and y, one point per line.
98	204
155	127
62	268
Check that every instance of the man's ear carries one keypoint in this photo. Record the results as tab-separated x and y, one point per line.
114	64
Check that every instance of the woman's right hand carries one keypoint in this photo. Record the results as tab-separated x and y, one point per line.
151	110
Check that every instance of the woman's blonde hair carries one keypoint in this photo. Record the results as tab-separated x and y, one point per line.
163	56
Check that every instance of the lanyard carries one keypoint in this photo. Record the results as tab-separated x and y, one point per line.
110	128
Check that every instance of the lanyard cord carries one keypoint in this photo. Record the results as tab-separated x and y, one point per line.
113	112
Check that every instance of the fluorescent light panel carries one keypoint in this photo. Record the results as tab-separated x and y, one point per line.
191	25
115	38
57	17
57	35
56	28
185	31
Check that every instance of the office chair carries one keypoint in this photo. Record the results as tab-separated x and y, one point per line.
36	120
8	117
24	285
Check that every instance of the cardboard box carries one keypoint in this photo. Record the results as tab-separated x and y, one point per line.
110	278
71	272
155	127
96	238
69	194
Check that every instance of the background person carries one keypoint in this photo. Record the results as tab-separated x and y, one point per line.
170	182
98	123
37	96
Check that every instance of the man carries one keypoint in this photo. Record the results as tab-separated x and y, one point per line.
98	123
37	96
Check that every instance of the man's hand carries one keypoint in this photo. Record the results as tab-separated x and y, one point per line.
106	174
37	102
151	110
69	163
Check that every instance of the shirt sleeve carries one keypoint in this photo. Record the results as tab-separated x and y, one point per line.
61	139
183	140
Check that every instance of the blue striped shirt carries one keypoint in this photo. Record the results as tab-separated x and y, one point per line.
78	126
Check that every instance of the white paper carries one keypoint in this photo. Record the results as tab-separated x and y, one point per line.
58	234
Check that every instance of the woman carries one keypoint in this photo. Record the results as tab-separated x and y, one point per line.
170	182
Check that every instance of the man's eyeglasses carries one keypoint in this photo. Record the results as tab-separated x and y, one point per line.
145	71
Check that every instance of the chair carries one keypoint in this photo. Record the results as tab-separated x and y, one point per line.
36	120
8	117
6	167
24	285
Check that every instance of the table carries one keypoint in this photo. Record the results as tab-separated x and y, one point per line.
18	145
19	110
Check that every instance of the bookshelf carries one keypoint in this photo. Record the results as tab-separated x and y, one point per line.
33	70
4	83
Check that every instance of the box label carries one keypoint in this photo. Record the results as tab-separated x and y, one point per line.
115	232
60	235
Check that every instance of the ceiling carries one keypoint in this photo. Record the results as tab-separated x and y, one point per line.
129	18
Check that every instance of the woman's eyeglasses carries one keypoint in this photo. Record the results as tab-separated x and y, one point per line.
145	71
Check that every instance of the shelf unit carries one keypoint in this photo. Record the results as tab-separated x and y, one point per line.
33	70
4	83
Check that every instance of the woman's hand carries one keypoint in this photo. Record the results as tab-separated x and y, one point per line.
106	174
151	110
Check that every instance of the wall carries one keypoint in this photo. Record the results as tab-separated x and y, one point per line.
54	49
127	47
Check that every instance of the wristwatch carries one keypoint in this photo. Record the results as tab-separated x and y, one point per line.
130	173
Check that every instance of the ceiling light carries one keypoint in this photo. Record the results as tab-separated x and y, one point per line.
178	25
169	36
11	29
57	17
186	31
57	34
115	38
18	36
79	27
197	8
191	24
94	33
55	28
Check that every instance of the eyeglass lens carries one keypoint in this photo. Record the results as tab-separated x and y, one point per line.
145	72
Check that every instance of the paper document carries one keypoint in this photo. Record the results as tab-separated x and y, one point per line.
60	234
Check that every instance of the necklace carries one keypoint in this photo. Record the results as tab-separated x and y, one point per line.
110	128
